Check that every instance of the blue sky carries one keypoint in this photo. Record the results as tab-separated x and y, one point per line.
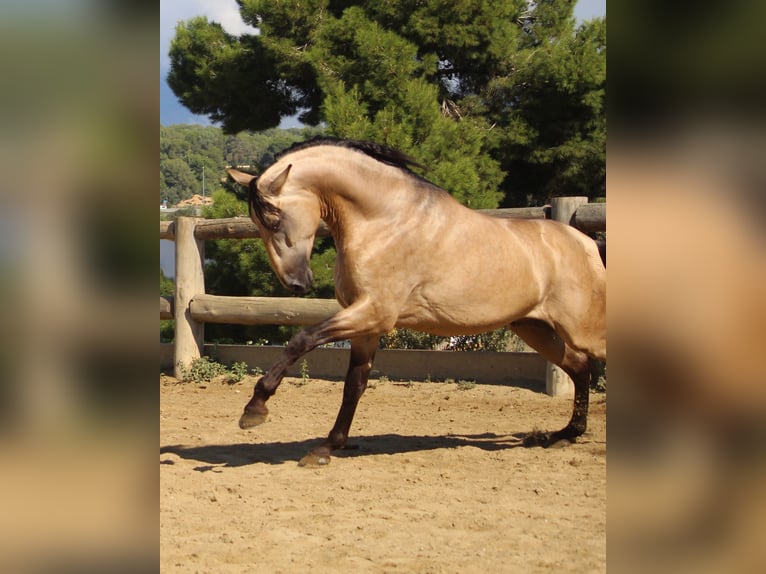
226	12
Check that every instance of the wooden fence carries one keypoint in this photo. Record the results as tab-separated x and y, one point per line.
191	307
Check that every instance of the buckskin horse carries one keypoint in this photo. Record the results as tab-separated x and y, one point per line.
409	255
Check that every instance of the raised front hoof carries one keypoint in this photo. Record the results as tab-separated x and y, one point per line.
550	439
315	460
250	419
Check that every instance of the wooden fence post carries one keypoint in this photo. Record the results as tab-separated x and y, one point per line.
557	382
190	281
563	208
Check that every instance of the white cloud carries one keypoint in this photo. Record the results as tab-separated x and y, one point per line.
225	12
589	9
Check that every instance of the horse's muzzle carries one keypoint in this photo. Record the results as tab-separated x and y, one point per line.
300	285
299	288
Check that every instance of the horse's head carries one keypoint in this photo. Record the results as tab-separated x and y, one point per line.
287	216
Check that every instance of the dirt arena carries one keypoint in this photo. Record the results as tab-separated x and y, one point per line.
438	482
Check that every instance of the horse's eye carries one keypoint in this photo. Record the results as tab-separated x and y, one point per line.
271	221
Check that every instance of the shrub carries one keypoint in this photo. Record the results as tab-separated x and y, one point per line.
205	370
201	370
497	340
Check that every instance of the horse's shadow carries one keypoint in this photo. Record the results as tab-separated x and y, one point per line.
241	454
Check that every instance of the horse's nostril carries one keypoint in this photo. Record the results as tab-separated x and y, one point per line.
297	288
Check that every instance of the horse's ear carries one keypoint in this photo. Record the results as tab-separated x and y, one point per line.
276	186
240	177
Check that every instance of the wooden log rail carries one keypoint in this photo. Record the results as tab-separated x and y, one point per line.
261	310
244	228
191	307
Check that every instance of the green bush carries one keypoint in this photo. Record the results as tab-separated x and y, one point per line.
598	377
409	339
498	340
205	370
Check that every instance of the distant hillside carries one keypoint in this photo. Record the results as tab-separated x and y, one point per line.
189	150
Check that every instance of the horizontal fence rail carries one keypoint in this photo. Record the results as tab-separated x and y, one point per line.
191	307
261	310
244	228
590	217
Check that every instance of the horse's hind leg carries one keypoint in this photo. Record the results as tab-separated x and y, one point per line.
541	337
362	354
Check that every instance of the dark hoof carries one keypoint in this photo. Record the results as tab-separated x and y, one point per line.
549	439
248	420
313	459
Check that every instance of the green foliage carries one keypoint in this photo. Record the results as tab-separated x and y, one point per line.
167	330
238	371
490	341
187	150
598	377
502	99
202	370
205	369
167	285
177	181
167	326
554	138
497	340
409	339
376	88
229	79
305	377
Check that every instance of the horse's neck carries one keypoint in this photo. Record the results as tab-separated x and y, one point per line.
332	213
341	216
357	196
345	201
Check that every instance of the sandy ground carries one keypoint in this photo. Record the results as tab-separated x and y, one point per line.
438	484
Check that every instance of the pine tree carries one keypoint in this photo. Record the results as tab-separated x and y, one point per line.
499	98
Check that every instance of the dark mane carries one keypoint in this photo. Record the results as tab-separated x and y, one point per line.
268	214
376	151
265	212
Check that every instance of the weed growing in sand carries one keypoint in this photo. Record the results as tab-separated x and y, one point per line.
304	373
238	371
201	370
204	370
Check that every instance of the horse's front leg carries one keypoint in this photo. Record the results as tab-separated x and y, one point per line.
255	411
356	320
362	355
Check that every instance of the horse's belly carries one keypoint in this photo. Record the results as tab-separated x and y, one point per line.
447	329
461	317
